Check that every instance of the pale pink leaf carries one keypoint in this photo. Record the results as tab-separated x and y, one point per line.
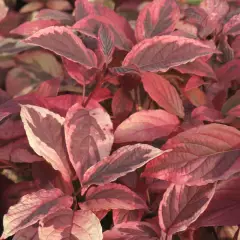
157	18
48	144
182	205
146	125
162	92
224	208
29	233
29	28
216	9
163	52
134	231
31	7
125	160
200	155
33	207
106	42
66	224
232	27
3	10
89	137
197	67
64	42
59	5
121	216
112	196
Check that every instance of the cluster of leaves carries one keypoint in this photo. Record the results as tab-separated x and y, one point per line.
115	128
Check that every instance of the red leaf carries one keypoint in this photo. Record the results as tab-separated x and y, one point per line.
163	52
48	144
29	28
146	125
232	27
200	155
106	42
157	18
90	26
224	208
112	196
126	159
89	137
66	224
33	207
122	216
122	104
197	67
30	233
181	205
133	230
59	40
162	92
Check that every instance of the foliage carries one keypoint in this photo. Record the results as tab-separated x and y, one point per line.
115	128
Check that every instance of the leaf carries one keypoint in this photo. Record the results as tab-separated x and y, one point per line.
224	208
91	24
231	103
33	207
30	233
201	155
48	144
59	5
235	111
66	224
122	216
232	27
197	67
112	196
216	9
181	205
133	231
193	82
157	18
125	160
146	125
48	88
59	40
50	14
29	28
89	137
162	92
163	52
122	103
3	10
106	42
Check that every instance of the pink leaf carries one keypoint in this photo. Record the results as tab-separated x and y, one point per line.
126	159
157	18
197	67
64	37
134	231
83	8
29	28
163	52
49	88
48	144
234	111
10	129
106	42
224	208
49	14
33	207
181	205
162	92
89	137
204	113
216	9
122	216
112	196
146	125
59	5
3	10
232	27
90	26
200	155
30	233
66	224
193	82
